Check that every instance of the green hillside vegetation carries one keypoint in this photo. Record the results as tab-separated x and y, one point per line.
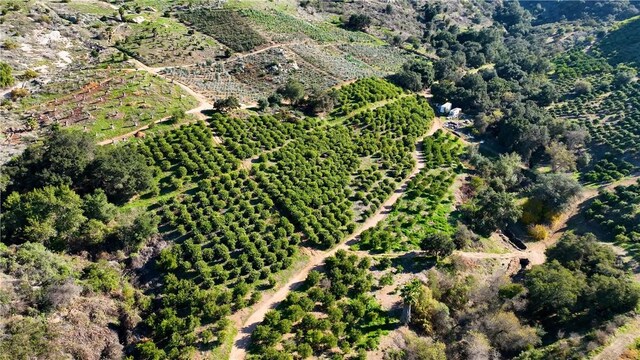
622	44
136	225
618	212
226	26
333	313
603	100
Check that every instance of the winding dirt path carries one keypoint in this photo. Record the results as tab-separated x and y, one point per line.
243	338
535	251
203	102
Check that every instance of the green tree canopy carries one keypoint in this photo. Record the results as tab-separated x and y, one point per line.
51	215
121	173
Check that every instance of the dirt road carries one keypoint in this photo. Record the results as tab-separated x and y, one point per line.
621	342
242	339
203	103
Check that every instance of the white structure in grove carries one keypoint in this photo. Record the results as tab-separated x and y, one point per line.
444	108
454	113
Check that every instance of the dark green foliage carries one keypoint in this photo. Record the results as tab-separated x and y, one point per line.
226	26
554	290
70	158
583	253
97	206
621	44
424	69
60	160
438	244
353	318
514	18
293	91
132	232
617	212
491	210
409	80
357	22
51	215
226	104
567	10
580	281
556	191
121	173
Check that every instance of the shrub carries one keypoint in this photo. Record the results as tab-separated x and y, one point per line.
538	232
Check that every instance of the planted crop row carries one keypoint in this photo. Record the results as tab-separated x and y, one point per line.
226	26
618	212
333	314
255	134
362	92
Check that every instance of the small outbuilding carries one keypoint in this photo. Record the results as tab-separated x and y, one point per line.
454	113
445	108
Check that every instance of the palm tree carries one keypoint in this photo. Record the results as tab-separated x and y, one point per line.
410	295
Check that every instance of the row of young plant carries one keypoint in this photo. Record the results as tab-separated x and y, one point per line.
188	150
424	209
617	212
604	100
256	134
226	26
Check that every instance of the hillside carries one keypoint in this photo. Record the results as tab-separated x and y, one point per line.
621	44
318	179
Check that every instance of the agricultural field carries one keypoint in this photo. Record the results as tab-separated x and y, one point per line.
105	103
251	77
618	213
333	313
333	62
363	92
622	43
234	230
167	42
387	59
425	208
258	134
226	26
604	101
282	27
247	179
